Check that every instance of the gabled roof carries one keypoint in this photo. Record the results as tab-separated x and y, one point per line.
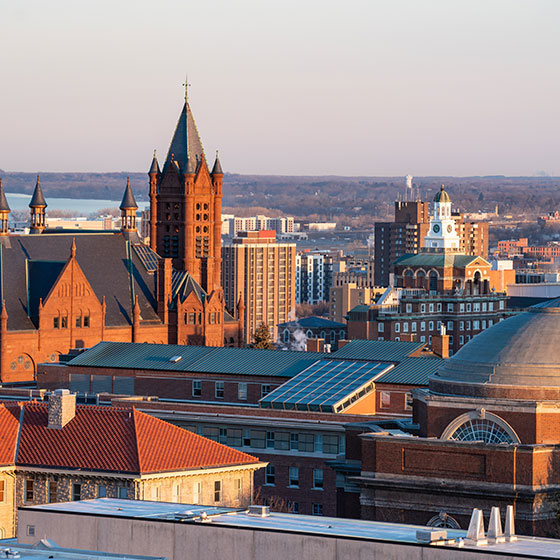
95	254
42	276
312	323
186	143
38	200
109	439
378	350
201	359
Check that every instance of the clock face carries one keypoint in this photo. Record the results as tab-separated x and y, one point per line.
449	228
436	228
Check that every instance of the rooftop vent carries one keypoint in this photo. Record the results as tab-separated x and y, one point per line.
175	359
258	511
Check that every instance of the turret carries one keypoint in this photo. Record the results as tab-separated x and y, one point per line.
154	173
38	207
4	211
128	210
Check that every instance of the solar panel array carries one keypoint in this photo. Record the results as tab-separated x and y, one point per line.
147	256
177	279
326	386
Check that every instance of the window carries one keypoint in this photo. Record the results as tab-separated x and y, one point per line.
76	492
476	307
318	479
468	307
483	324
330	444
294	441
242	391
295	507
484	306
423	308
197	492
413	326
468	325
56	322
31	530
293	479
265	389
192	318
317	509
431	308
222	437
490	306
461	307
450	308
439	307
102	491
1	490
176	496
234	437
462	325
490	322
64	322
258	439
449	326
218	491
156	493
405	327
423	326
431	326
282	441
409	307
422	339
238	488
123	492
53	491
86	321
397	327
29	490
307	442
502	304
385	399
270	440
78	322
219	389
270	475
476	325
380	327
196	388
408	400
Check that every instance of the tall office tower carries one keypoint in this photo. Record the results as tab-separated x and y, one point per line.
262	272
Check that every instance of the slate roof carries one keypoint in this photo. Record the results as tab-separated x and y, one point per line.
154	168
377	350
186	142
107	439
96	254
4	206
38	200
217	169
200	359
128	201
438	260
312	323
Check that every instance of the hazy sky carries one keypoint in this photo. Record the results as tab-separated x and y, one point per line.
428	87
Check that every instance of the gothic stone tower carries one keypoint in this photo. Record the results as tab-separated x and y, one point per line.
186	202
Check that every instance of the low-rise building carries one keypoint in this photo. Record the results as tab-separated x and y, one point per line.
294	334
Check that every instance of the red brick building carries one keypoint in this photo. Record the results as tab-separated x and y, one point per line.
71	290
489	434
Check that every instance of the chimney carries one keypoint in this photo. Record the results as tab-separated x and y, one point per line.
62	408
440	343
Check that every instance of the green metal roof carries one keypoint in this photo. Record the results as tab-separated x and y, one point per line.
377	350
438	260
199	359
412	371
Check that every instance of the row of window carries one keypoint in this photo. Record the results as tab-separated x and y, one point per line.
475	307
219	389
293	477
62	322
196	318
476	325
282	441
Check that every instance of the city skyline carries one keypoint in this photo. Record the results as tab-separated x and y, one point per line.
377	88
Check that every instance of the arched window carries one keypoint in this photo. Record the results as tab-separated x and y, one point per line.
286	336
408	279
433	281
476	282
322	335
443	521
309	333
342	334
420	279
480	426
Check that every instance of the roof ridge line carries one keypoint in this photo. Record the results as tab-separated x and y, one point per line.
20	429
133	414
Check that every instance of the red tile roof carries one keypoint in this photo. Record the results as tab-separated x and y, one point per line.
107	439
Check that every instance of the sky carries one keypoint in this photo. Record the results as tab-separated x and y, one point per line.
360	87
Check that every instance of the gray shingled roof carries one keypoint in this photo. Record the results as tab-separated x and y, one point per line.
128	201
4	206
217	166
186	142
154	168
38	200
96	254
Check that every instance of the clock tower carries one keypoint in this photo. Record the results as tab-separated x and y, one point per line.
442	235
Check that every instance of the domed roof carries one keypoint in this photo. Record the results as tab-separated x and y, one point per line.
442	195
518	357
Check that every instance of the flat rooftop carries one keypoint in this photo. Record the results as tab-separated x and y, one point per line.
10	548
529	547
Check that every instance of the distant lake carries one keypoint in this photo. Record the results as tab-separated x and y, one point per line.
84	206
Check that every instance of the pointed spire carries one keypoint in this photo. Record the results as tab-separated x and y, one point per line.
38	200
136	308
4	206
154	168
240	304
191	167
217	169
3	312
73	248
128	201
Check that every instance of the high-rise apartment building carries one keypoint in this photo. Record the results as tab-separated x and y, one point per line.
406	236
314	277
262	272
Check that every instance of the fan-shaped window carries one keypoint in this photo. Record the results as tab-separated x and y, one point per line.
480	426
443	521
